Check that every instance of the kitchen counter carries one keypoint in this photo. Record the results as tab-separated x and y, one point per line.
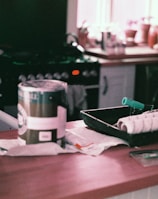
133	55
73	176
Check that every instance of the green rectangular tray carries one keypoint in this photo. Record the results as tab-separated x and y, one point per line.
103	120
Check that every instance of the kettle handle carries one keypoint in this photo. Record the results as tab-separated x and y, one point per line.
73	36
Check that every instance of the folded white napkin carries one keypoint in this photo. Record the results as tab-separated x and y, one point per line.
79	139
145	122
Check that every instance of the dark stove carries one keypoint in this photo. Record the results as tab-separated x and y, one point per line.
23	66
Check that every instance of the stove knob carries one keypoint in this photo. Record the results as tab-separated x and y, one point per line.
93	73
39	76
22	78
56	76
64	76
48	76
31	77
85	73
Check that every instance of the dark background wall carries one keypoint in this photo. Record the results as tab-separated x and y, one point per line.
33	24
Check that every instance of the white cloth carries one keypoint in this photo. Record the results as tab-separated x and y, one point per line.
80	139
145	122
76	96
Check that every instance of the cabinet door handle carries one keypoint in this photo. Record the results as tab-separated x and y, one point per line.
105	89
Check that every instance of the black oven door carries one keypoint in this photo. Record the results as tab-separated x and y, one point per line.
82	98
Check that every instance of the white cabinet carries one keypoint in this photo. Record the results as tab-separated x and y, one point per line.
115	83
146	193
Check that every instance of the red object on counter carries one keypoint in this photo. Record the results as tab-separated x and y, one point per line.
142	33
153	36
130	37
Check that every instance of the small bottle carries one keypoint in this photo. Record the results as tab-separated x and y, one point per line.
153	36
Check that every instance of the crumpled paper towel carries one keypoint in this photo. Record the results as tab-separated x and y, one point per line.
134	124
80	139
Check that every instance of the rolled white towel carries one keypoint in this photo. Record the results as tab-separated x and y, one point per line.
139	123
147	125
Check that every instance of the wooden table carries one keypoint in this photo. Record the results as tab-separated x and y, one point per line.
73	176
